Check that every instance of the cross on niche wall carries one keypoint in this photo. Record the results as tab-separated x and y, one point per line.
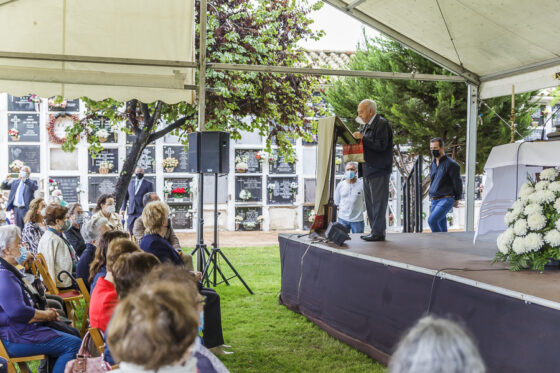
169	152
15	120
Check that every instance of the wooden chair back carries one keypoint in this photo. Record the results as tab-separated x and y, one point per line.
20	361
43	270
97	339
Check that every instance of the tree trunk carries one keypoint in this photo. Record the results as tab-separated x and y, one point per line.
141	140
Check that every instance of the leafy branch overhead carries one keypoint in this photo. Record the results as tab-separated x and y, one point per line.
277	106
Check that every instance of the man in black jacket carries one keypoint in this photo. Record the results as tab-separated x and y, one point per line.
377	137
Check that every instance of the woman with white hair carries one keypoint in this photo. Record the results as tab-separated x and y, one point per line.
22	329
91	232
436	346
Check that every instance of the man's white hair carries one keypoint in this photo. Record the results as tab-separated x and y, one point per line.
355	164
370	104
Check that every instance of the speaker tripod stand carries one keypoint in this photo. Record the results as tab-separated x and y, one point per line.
210	267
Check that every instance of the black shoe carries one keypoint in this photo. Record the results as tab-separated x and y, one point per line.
373	237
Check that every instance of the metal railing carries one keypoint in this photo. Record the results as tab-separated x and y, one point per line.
412	199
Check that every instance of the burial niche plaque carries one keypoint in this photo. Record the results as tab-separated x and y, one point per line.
27	126
309	190
69	187
281	166
104	157
23	103
248	162
248	218
282	190
248	188
180	153
178	190
147	159
181	216
28	154
99	185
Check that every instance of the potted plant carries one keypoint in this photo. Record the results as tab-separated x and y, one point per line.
105	167
167	186
449	218
53	185
14	134
261	156
294	187
102	135
238	221
532	239
311	217
241	165
272	157
249	225
178	193
245	195
271	187
169	164
16	165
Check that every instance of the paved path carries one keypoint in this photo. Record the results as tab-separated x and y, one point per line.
235	239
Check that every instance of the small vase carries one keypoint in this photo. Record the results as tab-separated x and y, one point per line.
103	170
169	169
166	196
116	136
15	138
236	226
15	169
240	170
102	139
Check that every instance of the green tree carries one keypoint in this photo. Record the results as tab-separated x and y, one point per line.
265	32
419	111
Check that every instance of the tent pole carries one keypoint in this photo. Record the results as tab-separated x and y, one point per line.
201	120
472	114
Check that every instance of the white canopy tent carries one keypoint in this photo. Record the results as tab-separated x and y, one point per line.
494	45
120	49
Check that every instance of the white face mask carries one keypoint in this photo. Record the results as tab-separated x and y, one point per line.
23	174
110	209
359	120
43	211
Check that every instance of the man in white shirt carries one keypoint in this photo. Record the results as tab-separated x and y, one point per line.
349	197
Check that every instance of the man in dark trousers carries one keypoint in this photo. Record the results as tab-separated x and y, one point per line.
134	195
446	187
377	138
22	192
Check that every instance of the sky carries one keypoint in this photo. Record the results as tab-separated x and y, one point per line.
342	31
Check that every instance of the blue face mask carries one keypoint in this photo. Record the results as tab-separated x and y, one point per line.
350	175
201	326
22	255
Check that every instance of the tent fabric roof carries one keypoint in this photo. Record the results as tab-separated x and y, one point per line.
101	30
501	42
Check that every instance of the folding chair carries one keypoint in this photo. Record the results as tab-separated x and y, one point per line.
20	361
71	297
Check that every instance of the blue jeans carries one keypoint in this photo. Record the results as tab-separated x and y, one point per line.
64	348
438	214
354	226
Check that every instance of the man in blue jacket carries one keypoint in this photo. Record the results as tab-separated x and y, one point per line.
134	195
377	139
22	192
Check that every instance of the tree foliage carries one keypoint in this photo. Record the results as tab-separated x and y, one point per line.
264	32
419	111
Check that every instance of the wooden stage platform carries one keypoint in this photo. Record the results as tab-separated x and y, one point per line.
369	293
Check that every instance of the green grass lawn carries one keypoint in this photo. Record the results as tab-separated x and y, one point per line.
267	337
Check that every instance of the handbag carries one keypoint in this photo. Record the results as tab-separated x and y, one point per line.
85	363
353	152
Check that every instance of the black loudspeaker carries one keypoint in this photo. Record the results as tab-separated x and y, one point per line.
208	152
336	232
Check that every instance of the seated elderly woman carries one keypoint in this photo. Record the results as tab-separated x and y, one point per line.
73	235
91	231
22	329
436	346
164	316
155	218
34	225
206	361
98	268
106	208
104	297
59	254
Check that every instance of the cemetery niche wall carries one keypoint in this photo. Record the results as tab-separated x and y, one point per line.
262	190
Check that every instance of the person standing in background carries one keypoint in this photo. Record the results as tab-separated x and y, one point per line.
22	192
349	197
377	138
446	187
134	195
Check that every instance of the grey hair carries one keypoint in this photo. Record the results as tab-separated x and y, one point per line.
91	230
355	164
8	235
436	346
148	198
369	104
